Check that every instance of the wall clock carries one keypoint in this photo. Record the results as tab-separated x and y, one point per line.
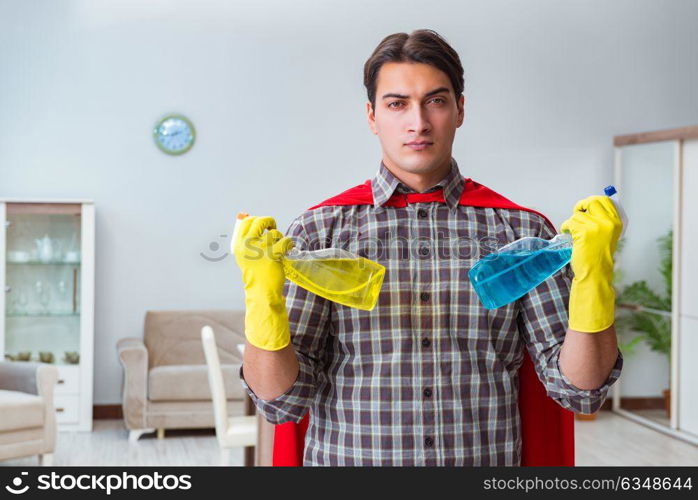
174	134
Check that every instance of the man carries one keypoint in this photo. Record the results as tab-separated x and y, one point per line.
429	376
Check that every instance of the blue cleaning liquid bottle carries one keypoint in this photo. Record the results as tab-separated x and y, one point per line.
513	270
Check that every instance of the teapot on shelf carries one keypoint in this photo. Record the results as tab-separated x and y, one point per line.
47	249
44	249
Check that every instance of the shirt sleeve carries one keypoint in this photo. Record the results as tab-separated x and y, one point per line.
308	316
543	321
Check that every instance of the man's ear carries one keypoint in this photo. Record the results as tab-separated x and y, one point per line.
371	117
461	110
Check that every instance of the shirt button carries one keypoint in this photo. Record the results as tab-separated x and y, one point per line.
422	213
426	342
428	442
424	296
423	250
427	393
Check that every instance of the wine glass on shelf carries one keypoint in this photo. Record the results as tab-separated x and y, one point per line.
38	290
12	307
43	294
61	306
22	301
45	299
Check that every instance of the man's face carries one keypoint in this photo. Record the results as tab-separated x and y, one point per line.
410	107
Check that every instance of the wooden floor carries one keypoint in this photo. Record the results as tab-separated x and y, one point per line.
610	440
108	444
658	416
615	440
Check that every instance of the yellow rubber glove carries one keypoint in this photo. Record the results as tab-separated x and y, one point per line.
258	254
595	227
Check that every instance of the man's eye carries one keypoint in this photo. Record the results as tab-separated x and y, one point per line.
398	103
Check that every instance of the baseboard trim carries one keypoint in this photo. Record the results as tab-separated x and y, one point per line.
107	412
635	403
640	403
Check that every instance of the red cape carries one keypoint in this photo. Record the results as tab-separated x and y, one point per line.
547	428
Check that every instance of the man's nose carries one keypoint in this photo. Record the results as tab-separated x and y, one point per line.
419	120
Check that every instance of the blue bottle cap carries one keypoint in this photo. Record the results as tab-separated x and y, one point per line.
610	190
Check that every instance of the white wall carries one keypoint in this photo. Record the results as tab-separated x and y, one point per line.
275	91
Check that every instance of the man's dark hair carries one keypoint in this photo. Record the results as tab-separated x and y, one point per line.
421	46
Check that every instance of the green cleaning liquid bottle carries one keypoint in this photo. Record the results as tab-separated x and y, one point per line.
334	274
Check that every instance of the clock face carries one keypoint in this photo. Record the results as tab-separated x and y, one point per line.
174	134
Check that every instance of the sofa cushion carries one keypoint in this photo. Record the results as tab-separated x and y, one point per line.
187	414
174	337
190	383
20	410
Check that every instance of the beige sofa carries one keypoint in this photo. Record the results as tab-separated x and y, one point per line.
165	383
28	417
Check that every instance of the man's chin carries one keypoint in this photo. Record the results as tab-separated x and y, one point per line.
414	165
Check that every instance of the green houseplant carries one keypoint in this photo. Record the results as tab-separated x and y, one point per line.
646	312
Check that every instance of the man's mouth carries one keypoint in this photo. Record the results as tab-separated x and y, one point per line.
419	145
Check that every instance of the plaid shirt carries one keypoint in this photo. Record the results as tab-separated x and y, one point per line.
429	376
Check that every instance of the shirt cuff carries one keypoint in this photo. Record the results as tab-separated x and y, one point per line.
292	405
567	387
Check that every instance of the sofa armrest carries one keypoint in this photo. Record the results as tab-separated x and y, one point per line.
21	376
34	378
133	356
46	380
130	343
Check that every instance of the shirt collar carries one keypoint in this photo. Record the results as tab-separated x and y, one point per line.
384	184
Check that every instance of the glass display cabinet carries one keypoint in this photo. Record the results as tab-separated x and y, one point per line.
47	269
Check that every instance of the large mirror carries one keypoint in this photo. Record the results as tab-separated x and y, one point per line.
655	173
644	278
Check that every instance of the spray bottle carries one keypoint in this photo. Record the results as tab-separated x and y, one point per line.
333	273
516	268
